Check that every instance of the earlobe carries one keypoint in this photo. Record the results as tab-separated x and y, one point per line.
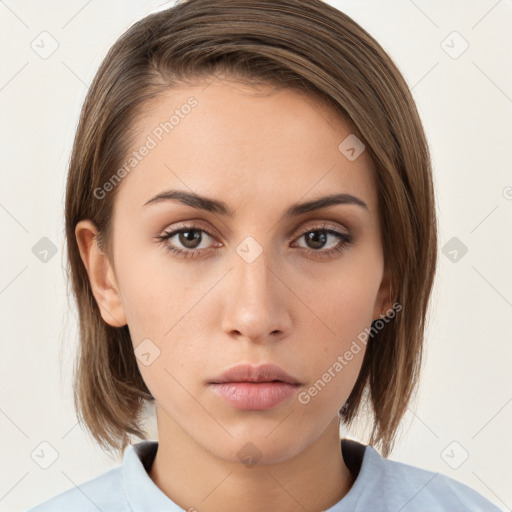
101	274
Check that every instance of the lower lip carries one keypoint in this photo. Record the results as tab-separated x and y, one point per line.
255	396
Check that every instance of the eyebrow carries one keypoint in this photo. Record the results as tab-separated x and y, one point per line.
219	207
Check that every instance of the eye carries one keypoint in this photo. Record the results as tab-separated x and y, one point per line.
192	237
318	236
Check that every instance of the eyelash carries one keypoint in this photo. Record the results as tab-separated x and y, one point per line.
344	238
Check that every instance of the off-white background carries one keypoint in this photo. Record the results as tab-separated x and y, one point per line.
464	405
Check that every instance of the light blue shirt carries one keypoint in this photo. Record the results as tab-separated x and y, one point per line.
381	485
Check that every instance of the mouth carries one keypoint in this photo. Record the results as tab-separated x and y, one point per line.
264	373
255	388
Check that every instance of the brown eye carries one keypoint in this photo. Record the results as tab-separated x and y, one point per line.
317	238
187	241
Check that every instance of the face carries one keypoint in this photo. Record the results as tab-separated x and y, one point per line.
258	285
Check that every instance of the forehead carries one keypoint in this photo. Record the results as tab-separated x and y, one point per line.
249	146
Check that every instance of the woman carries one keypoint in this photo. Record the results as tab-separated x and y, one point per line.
252	244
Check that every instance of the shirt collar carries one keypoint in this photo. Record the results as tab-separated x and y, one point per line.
367	481
140	490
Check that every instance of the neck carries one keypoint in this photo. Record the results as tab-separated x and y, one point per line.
194	478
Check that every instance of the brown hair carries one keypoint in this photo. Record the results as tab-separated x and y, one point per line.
304	44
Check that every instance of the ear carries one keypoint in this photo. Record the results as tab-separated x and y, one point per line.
383	301
101	274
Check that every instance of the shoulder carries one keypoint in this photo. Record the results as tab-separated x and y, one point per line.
413	489
101	493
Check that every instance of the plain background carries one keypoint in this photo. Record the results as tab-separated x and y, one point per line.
460	422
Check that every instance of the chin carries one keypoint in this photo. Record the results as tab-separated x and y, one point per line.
257	447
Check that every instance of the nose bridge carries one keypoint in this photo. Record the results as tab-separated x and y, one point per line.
255	306
253	272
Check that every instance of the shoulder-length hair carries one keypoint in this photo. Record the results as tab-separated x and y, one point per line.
307	45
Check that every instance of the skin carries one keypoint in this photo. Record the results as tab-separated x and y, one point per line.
260	151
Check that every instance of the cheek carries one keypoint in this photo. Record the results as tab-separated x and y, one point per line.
335	349
154	293
344	302
167	318
343	312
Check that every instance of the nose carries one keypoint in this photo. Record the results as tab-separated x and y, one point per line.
257	301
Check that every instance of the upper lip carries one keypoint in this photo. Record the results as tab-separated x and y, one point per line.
249	373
